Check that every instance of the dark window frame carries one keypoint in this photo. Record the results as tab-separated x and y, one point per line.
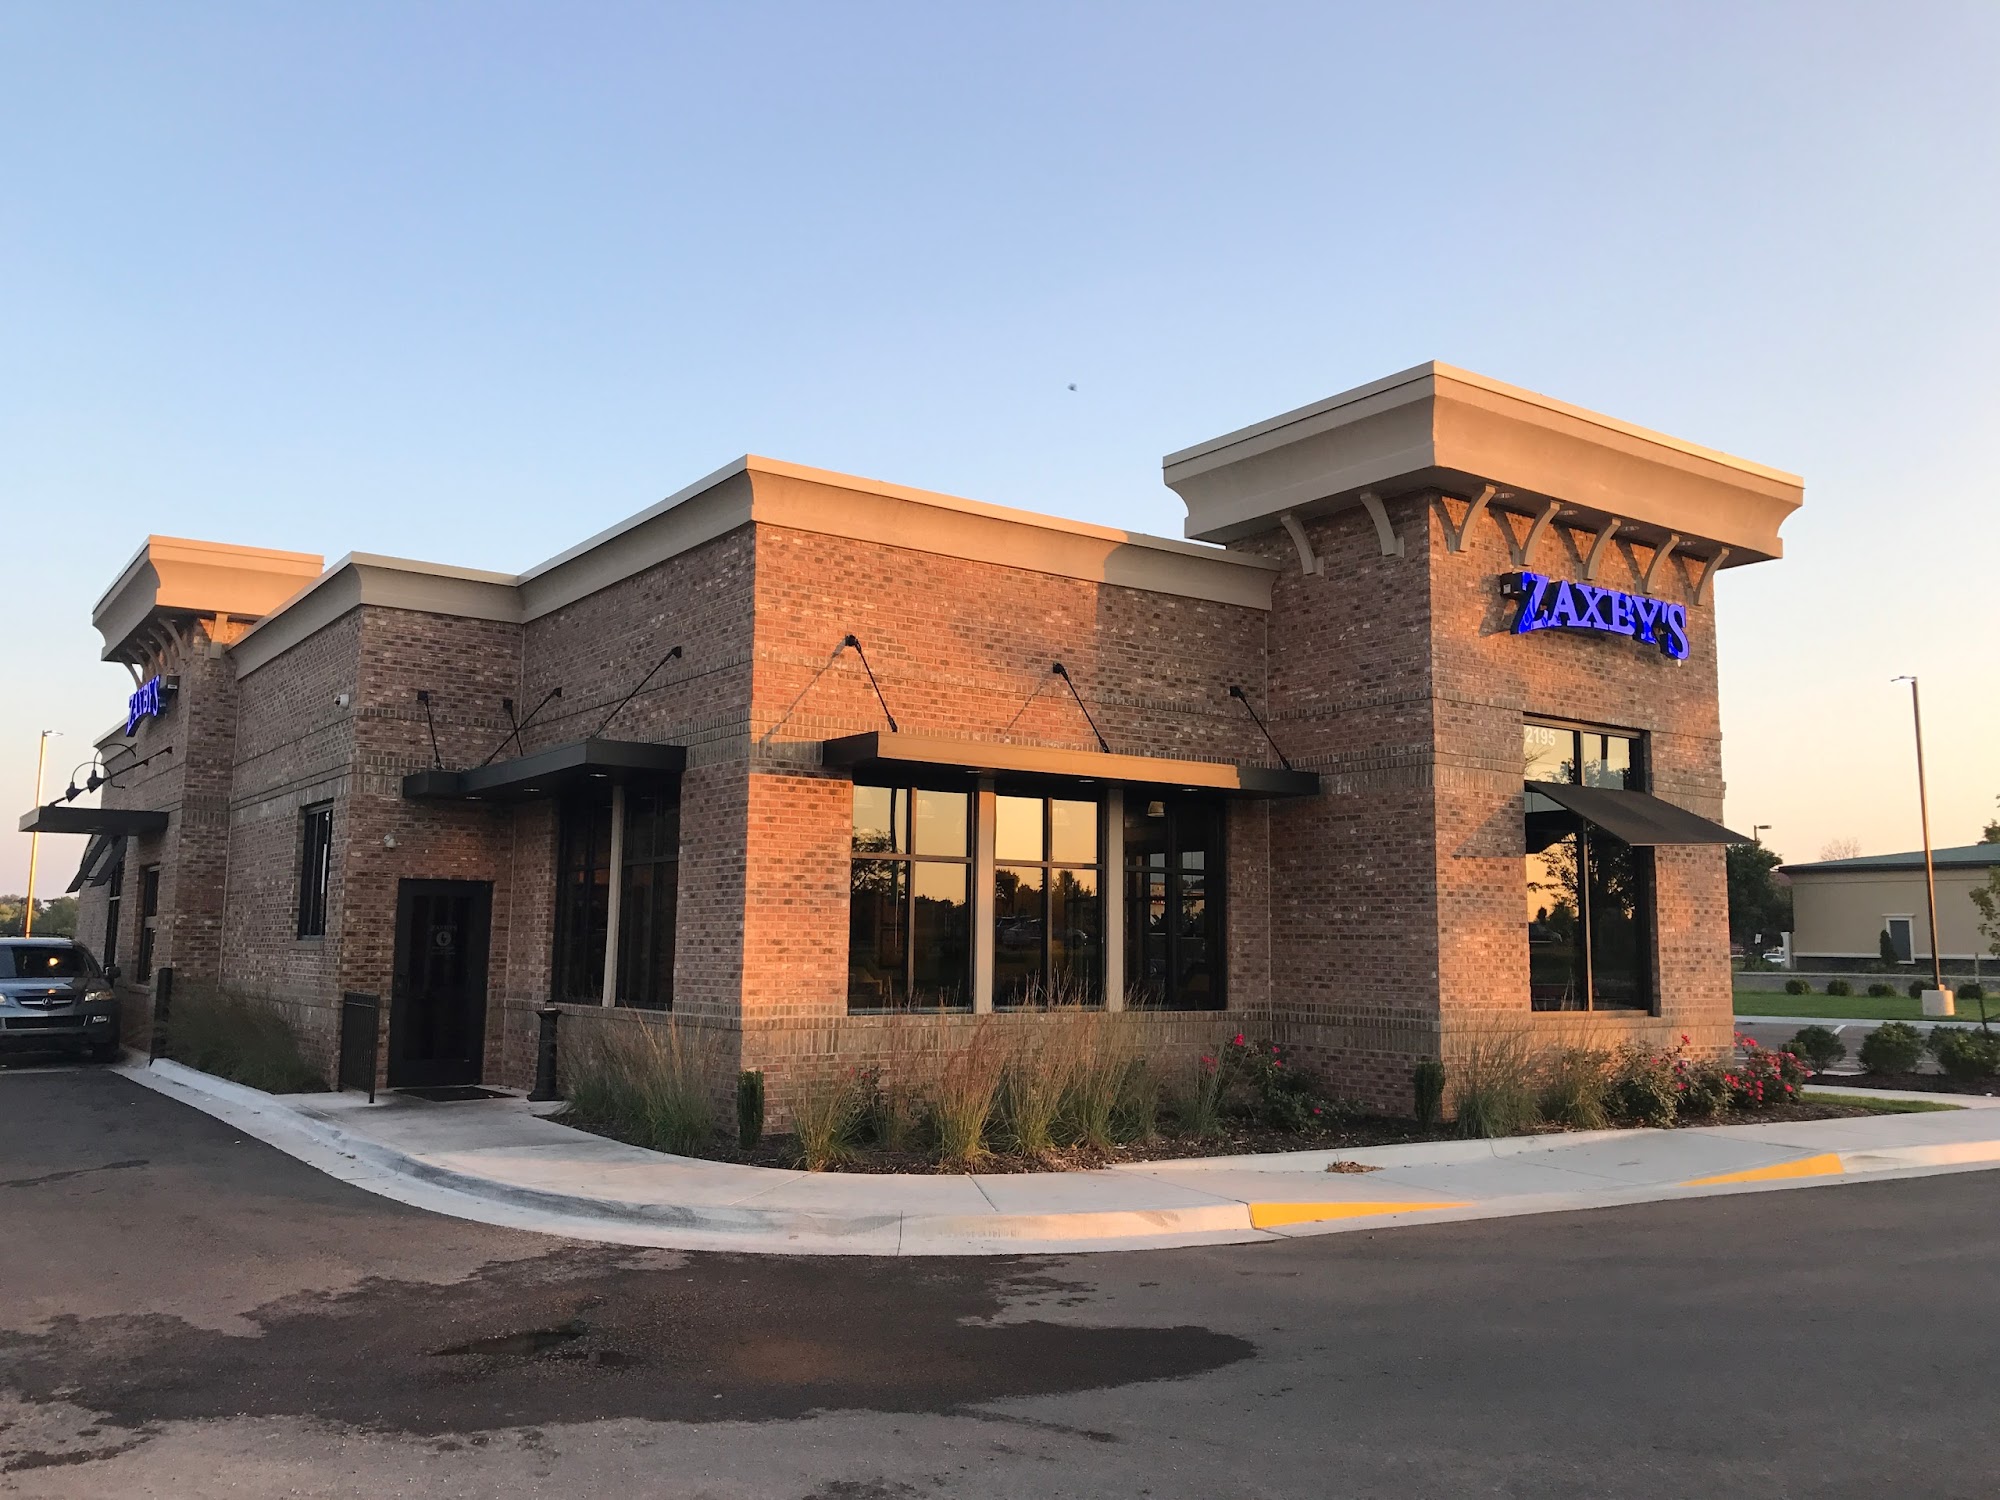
1637	777
114	902
1215	898
1051	868
149	921
660	928
315	867
582	906
906	893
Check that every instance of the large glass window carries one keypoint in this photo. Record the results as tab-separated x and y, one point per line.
1048	906
114	901
149	921
315	867
1590	894
1173	904
648	900
910	913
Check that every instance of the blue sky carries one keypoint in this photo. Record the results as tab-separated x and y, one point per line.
467	283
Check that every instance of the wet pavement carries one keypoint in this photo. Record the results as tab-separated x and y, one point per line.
185	1312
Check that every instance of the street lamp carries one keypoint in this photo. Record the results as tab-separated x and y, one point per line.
1758	830
35	838
1924	813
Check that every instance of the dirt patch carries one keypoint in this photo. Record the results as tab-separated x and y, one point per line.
596	1333
1923	1083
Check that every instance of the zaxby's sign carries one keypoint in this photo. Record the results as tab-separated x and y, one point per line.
149	702
1557	604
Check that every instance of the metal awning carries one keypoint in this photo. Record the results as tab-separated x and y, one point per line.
101	858
550	771
118	822
908	754
1636	817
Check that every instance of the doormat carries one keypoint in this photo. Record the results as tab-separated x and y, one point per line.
453	1093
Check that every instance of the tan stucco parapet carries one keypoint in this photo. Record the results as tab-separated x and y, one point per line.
1437	427
774	493
172	576
767	492
388	582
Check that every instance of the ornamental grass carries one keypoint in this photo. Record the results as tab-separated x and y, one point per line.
651	1083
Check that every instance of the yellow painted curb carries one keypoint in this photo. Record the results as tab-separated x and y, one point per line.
1826	1164
1272	1215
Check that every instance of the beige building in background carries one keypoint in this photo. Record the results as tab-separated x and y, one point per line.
1841	908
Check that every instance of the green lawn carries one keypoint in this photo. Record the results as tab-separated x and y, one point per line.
1877	1106
1897	1007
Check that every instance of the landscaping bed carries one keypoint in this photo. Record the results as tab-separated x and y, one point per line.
1096	1105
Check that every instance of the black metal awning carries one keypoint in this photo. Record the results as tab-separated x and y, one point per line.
905	754
118	822
1636	817
547	772
101	858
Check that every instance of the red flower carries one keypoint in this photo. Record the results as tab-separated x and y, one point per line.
1238	1041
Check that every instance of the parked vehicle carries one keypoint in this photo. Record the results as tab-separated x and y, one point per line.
53	996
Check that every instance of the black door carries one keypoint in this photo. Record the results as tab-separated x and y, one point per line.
437	1011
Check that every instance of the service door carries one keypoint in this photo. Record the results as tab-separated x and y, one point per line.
437	1010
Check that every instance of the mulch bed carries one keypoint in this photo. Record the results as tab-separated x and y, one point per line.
1237	1138
1920	1083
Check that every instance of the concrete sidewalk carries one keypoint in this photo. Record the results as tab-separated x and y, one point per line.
499	1162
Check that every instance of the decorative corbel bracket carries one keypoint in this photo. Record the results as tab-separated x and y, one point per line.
1454	536
1705	585
1385	534
1598	548
1309	564
1660	555
1525	553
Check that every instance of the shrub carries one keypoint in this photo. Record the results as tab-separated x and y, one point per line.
1427	1085
1965	1055
1797	987
1879	990
1764	1078
1575	1084
1644	1087
1839	987
1892	1047
961	1093
827	1110
1031	1094
1819	1046
1200	1108
1493	1092
896	1116
1100	1063
1886	946
1916	989
1138	1117
1971	990
1701	1089
647	1083
240	1038
1282	1093
749	1108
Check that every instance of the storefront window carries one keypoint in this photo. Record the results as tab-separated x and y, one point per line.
1048	909
910	912
1173	904
1589	894
648	898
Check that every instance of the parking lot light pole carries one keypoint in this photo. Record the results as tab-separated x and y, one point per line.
1924	814
35	839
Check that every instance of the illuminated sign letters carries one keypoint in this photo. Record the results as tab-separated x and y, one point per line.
1557	604
149	702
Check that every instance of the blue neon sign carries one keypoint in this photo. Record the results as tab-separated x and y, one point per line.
1558	604
149	702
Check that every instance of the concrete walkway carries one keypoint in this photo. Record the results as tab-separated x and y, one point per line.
499	1162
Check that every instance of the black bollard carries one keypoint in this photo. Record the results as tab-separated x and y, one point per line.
545	1056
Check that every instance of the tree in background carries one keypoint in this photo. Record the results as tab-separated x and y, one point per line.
1992	833
1843	848
55	918
1759	907
1987	899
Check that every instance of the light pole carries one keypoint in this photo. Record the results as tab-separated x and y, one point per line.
1758	830
35	839
1924	813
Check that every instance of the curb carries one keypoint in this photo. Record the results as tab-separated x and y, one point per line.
394	1174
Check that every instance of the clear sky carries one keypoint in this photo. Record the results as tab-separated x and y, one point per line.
469	282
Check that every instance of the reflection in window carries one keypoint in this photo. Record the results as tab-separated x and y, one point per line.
1173	905
1048	911
1589	894
909	913
648	898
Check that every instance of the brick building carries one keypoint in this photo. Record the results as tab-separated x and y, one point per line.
1415	737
